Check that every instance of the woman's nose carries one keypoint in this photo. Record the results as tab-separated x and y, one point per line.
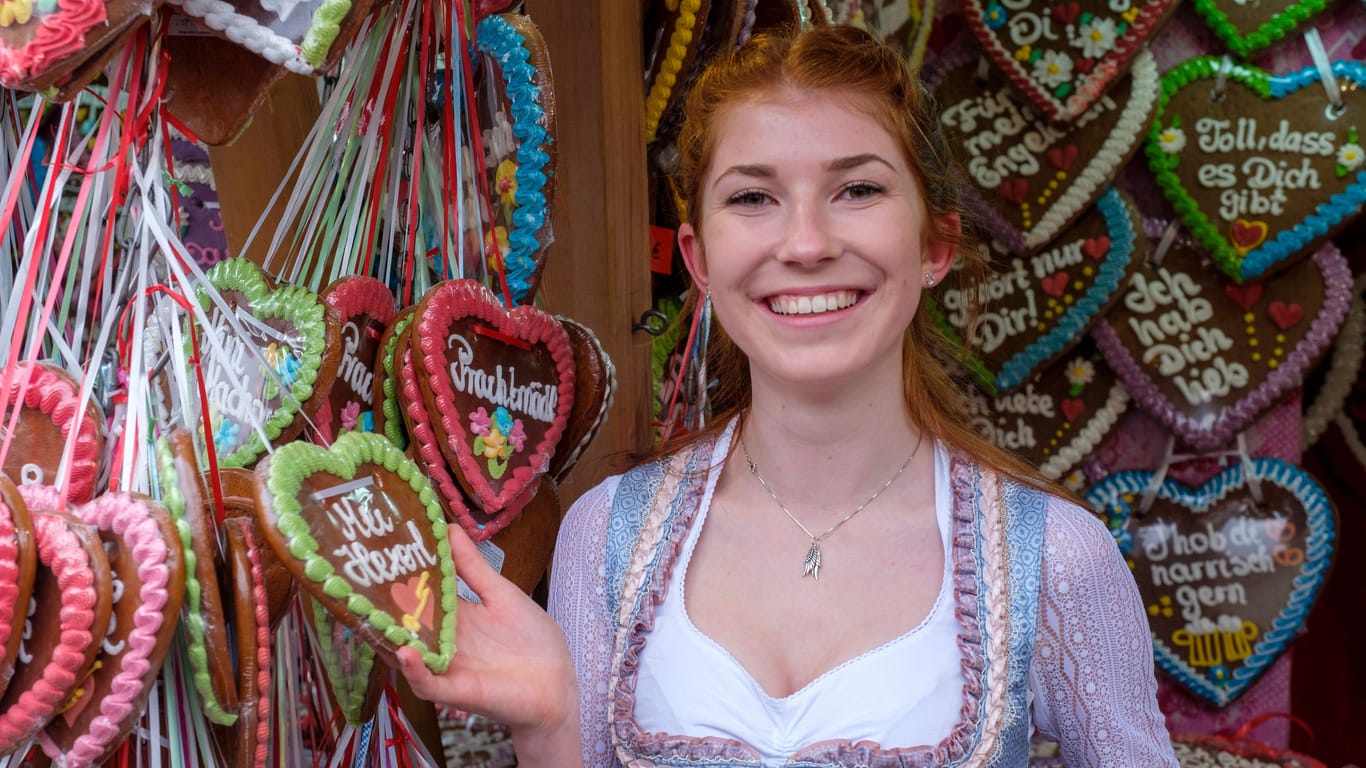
808	239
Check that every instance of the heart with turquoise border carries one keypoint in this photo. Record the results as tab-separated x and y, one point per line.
359	526
1266	172
1227	572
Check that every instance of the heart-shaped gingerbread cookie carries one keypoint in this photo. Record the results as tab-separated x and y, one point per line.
1029	178
360	528
1227	579
46	418
1205	749
595	384
1264	171
1206	356
1249	27
18	559
674	35
246	743
365	307
1062	55
502	383
303	36
1342	370
1037	308
388	412
42	42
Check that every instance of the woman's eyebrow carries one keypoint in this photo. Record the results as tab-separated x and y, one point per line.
854	161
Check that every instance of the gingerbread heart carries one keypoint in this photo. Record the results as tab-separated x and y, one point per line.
1266	171
521	552
147	568
246	743
1029	178
348	665
303	36
673	37
18	560
595	384
517	100
278	366
359	526
239	501
41	42
502	383
1062	55
1249	27
1206	357
1057	418
1343	369
388	413
1038	307
1228	580
216	85
365	307
67	616
46	418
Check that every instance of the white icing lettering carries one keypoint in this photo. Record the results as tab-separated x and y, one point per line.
536	400
355	370
1259	187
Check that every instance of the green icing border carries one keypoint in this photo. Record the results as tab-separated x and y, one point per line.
350	701
323	31
393	418
291	463
974	365
1280	25
299	307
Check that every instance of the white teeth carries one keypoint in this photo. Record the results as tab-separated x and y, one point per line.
813	305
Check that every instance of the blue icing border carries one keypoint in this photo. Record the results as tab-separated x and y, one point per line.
497	38
1119	226
1106	499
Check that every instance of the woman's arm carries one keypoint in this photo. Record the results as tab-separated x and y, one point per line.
1092	677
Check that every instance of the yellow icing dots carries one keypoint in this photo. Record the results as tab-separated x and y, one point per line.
1026	218
664	82
1088	271
1272	360
1052	187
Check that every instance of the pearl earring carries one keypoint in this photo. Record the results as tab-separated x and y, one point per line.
929	279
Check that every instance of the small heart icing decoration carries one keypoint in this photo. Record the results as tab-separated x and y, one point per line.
1228	572
1262	175
502	383
147	568
365	307
1076	50
18	559
354	520
66	618
517	101
303	36
595	384
49	411
1040	306
1203	364
1057	418
1018	194
1249	27
277	367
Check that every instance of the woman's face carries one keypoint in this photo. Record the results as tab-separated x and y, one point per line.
814	240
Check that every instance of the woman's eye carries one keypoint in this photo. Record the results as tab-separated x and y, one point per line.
748	197
861	190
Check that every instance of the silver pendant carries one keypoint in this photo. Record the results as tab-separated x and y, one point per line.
813	561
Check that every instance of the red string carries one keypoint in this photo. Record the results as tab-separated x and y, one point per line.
401	738
1241	734
497	335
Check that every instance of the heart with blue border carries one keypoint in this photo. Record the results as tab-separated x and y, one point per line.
1227	572
1261	168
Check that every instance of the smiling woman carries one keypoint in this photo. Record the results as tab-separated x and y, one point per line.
840	571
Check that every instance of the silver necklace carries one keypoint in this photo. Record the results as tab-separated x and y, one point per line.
812	566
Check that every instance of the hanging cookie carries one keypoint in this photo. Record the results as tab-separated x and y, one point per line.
18	561
1032	310
246	743
673	36
47	416
365	307
303	36
1228	572
1249	27
1205	355
1344	367
1030	179
595	383
388	413
1261	168
42	42
214	86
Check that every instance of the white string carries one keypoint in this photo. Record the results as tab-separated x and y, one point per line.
1254	483
1222	78
1325	67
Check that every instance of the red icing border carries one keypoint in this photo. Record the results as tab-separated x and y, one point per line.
57	36
352	296
52	392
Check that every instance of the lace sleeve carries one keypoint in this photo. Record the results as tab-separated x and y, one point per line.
578	603
1092	679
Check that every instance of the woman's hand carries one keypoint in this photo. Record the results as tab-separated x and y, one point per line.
511	665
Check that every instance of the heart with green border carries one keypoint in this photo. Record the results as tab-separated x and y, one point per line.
1261	168
361	529
1249	27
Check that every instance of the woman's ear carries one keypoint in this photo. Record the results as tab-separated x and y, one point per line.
690	243
937	254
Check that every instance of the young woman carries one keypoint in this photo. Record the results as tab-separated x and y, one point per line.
842	572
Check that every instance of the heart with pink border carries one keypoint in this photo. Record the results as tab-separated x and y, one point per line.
1228	572
46	417
365	307
18	559
502	385
1206	356
1062	55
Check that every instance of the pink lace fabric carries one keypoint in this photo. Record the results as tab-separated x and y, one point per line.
1092	681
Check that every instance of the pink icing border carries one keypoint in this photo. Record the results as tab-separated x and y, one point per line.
351	296
57	36
131	520
460	299
60	551
259	683
1337	286
9	571
50	392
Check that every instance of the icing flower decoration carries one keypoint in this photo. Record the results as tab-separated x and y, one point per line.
994	16
1081	372
349	414
225	432
14	12
1076	481
1350	155
1096	37
496	249
498	437
506	183
1053	68
498	140
1172	140
1024	52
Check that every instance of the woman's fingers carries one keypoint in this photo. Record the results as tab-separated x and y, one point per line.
471	566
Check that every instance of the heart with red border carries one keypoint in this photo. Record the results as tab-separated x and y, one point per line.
1266	172
46	417
1062	56
595	383
502	383
1058	417
358	525
42	43
269	357
1039	307
147	568
66	620
1030	179
18	560
246	742
365	307
1227	572
1205	357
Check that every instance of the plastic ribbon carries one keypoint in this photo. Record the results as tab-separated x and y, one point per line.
1325	67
